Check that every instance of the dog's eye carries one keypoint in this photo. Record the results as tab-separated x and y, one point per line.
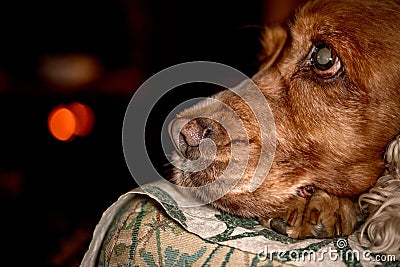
325	62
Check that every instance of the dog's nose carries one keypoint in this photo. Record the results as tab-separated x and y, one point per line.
192	133
187	134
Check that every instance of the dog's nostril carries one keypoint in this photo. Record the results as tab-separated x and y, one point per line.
187	135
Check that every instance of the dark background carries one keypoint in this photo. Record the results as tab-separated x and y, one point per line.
54	192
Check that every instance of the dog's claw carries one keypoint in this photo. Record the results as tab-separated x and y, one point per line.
293	217
314	216
338	226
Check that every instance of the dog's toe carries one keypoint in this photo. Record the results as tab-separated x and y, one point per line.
319	216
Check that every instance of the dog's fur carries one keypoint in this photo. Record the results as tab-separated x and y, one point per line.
382	202
332	126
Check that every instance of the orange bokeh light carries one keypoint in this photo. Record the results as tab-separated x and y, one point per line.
62	123
84	118
66	122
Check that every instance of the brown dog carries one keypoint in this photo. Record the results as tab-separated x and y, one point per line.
332	82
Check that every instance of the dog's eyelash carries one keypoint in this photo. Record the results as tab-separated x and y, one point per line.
307	63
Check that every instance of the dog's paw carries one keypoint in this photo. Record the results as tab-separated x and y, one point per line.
319	216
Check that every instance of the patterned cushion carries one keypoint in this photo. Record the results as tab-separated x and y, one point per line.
147	227
142	234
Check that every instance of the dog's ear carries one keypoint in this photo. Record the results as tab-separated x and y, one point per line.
273	40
